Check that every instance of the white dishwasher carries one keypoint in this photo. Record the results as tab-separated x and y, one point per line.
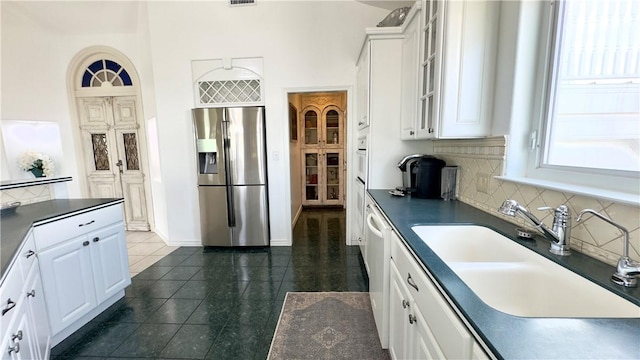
378	249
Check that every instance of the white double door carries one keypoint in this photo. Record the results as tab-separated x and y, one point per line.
110	132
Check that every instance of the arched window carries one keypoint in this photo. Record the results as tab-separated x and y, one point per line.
105	73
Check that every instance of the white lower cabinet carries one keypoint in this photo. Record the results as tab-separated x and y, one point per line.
37	308
25	330
422	324
110	263
18	342
68	282
84	267
83	272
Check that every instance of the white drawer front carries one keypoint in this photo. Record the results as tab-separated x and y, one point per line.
450	333
61	230
27	255
10	297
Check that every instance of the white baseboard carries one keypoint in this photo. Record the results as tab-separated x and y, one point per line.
280	242
295	218
184	243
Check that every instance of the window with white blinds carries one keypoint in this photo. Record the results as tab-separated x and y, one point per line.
592	118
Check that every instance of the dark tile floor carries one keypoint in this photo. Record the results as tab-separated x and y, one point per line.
220	303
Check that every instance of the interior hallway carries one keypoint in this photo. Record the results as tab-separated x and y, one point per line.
197	303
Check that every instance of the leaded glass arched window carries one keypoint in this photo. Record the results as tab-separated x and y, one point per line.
105	73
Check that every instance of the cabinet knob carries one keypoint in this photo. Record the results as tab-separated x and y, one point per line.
10	305
96	239
412	319
430	130
14	349
411	132
86	243
32	293
17	335
30	253
405	303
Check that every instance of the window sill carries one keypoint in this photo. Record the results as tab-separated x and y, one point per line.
611	195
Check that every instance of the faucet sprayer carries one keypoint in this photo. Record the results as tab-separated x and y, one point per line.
559	234
627	270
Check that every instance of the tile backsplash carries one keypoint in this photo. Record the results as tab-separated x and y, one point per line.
27	194
592	237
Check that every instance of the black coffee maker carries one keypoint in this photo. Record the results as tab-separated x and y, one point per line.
421	175
428	172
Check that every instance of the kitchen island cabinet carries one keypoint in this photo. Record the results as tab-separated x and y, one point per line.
24	332
81	268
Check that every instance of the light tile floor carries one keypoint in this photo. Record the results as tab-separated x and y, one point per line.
145	249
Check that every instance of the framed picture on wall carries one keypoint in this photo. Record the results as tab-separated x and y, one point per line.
293	123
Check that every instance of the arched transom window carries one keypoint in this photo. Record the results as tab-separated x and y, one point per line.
105	73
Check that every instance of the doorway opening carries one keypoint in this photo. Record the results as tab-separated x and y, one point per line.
317	154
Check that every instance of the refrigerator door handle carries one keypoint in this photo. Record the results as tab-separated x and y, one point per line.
231	209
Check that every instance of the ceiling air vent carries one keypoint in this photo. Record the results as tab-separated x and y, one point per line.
241	2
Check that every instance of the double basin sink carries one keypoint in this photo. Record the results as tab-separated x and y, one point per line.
515	280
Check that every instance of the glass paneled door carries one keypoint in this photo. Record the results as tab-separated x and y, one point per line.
311	128
323	171
111	145
333	177
322	160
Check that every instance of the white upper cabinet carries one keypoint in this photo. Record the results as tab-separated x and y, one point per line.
362	81
410	75
456	70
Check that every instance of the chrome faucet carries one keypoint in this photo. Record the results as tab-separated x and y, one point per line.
627	270
559	234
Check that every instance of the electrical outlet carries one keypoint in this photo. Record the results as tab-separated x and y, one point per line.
482	183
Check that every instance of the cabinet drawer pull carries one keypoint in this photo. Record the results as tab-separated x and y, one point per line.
411	282
30	253
10	305
32	293
405	303
14	349
411	132
412	319
16	336
85	224
96	239
86	243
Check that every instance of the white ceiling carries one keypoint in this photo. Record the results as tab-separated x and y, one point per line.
388	4
63	16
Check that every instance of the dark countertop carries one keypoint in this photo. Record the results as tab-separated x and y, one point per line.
508	336
14	227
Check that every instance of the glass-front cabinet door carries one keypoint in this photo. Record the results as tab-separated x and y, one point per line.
311	166
333	177
431	67
332	130
322	155
323	177
311	135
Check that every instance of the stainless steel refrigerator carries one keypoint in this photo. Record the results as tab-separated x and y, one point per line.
232	176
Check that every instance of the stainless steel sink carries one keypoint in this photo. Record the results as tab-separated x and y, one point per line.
517	281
